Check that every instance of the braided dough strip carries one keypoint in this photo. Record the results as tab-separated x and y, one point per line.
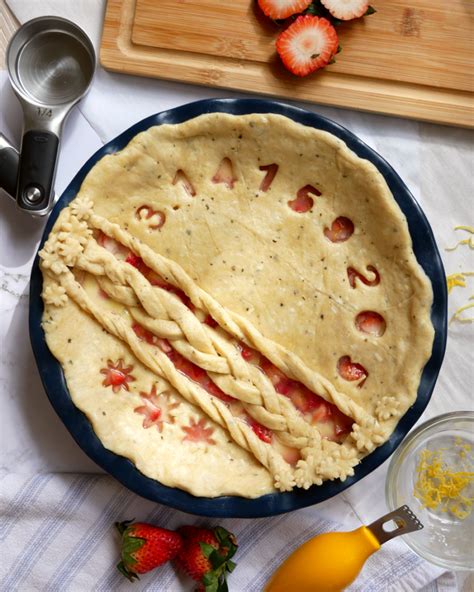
272	410
158	362
243	330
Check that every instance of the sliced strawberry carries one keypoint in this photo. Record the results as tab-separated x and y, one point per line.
198	432
351	371
291	455
304	202
308	44
371	322
282	9
305	400
186	367
225	173
272	170
353	274
341	229
261	431
181	177
346	10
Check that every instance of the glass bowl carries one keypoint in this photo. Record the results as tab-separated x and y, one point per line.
446	539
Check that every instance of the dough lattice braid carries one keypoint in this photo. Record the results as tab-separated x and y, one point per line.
225	365
243	330
158	362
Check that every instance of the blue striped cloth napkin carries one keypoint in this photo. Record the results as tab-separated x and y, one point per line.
57	535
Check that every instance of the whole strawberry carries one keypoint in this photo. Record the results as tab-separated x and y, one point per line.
206	556
145	547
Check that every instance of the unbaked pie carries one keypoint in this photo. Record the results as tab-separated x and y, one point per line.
236	306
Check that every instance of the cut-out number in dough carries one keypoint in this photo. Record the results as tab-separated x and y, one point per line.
225	174
303	201
371	322
181	177
271	171
341	229
353	274
351	371
117	375
154	219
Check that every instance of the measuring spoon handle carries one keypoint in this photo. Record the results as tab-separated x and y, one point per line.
39	154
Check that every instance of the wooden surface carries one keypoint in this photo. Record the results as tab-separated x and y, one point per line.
8	25
414	61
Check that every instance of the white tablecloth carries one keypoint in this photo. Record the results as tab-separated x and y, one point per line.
436	163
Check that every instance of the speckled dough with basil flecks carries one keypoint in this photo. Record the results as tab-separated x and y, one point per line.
313	268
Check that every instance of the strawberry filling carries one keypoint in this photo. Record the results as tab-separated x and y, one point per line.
117	375
210	321
341	229
332	423
371	322
112	245
154	218
351	371
304	202
225	174
156	280
352	274
265	434
181	177
271	170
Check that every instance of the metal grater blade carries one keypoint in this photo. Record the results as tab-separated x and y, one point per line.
403	517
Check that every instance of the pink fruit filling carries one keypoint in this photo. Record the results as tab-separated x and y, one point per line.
331	422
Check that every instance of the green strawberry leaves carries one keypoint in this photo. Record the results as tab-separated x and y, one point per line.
220	560
130	545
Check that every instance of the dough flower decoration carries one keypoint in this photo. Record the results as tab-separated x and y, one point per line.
366	438
49	256
81	208
386	408
54	294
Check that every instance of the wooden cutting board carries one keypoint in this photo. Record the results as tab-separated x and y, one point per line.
412	58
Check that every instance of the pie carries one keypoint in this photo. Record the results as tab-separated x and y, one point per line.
236	305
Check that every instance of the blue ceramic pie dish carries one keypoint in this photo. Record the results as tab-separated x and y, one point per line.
276	503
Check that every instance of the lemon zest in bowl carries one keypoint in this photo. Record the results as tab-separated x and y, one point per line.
440	487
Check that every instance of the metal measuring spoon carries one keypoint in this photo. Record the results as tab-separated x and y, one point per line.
51	62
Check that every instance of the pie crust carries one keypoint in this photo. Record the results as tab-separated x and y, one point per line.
236	305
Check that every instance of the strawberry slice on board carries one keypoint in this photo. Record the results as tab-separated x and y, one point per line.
346	10
307	45
282	9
